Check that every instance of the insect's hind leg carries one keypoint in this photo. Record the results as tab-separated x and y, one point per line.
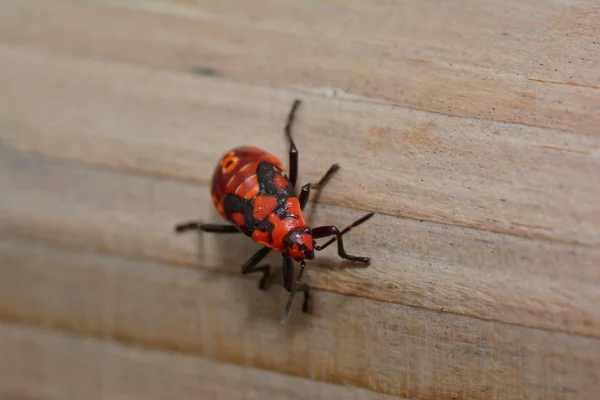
251	266
198	226
293	150
324	231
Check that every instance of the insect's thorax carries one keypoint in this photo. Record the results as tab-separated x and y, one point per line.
283	229
273	225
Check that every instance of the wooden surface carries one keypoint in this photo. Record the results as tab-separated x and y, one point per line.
471	129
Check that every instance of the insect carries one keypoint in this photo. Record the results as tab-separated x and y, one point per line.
251	190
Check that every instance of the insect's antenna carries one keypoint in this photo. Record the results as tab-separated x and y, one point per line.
347	229
290	121
288	306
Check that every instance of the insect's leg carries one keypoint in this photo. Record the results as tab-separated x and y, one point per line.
323	231
305	191
326	177
293	150
251	266
293	287
197	226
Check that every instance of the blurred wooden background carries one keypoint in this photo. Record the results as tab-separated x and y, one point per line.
471	128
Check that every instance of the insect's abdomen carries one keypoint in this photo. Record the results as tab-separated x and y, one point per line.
236	174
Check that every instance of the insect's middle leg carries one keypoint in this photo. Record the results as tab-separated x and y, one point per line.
198	226
305	191
251	266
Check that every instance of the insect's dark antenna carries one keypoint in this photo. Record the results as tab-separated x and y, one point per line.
293	150
290	122
288	306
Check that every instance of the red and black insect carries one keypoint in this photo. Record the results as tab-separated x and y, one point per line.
251	190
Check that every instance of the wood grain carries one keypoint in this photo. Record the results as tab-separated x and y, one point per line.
42	364
486	175
387	348
531	62
437	267
469	127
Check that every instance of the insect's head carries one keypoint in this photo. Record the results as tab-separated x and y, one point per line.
299	244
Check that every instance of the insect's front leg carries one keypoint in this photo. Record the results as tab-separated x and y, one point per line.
293	286
324	231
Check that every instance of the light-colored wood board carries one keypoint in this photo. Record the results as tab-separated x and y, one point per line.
532	62
43	364
130	103
383	347
492	176
443	268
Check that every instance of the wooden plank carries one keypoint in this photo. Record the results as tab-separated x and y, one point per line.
531	62
455	312
442	268
384	347
487	175
42	364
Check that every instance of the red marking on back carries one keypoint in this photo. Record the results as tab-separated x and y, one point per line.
252	192
280	182
246	186
261	237
238	219
263	206
238	180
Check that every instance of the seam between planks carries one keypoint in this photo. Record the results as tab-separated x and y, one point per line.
171	263
132	344
288	89
345	95
174	178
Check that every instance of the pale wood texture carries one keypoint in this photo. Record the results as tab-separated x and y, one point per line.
93	369
389	348
470	127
